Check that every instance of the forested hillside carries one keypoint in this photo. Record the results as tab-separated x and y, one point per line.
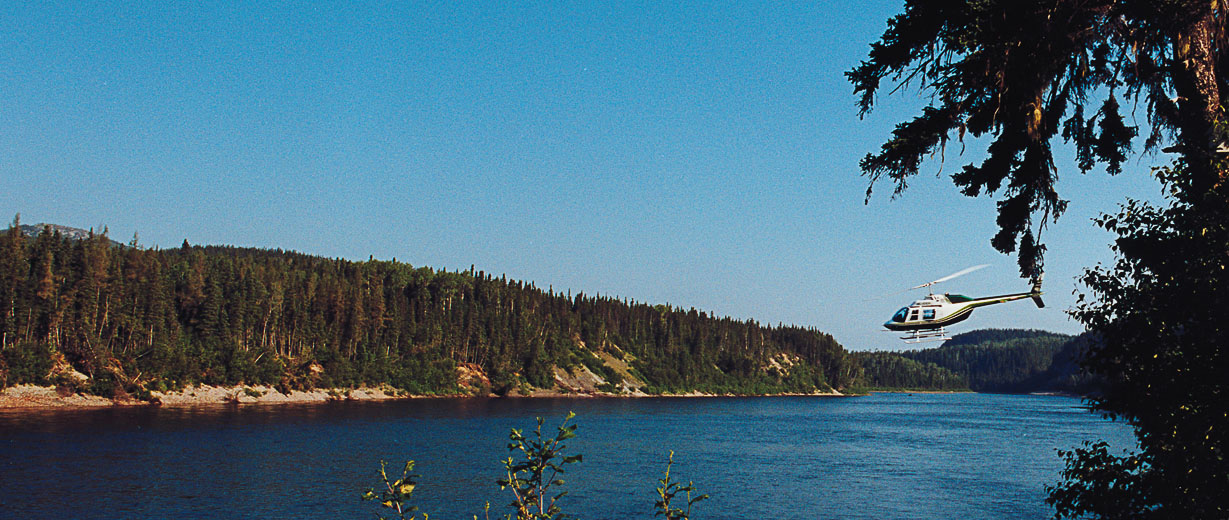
988	360
892	371
997	360
1064	373
133	319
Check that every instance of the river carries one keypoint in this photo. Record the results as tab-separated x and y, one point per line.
881	456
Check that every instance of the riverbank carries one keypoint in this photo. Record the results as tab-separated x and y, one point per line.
910	391
33	396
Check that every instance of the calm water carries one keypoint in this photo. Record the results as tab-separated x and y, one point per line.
875	457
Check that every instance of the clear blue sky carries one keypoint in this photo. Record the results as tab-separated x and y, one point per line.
701	155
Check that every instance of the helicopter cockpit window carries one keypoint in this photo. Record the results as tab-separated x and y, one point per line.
913	315
900	315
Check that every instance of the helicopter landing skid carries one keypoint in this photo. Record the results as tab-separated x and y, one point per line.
922	336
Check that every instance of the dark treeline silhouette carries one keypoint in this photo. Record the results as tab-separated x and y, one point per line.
996	360
135	319
989	360
1064	373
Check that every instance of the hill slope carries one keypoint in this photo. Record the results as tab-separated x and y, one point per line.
69	233
995	360
132	320
1012	360
989	360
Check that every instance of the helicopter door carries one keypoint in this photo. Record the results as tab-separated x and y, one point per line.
913	315
928	314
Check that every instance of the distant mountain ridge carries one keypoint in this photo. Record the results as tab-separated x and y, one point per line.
987	360
997	360
974	337
70	233
1013	360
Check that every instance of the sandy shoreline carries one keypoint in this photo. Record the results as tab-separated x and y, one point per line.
938	392
32	396
42	397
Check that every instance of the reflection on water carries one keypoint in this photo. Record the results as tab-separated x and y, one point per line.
881	456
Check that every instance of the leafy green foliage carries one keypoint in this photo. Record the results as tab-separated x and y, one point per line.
535	469
532	474
1159	316
1100	485
667	491
395	494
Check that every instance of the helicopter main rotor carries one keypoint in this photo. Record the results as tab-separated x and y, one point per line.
953	275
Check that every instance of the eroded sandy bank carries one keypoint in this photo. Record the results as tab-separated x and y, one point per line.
31	396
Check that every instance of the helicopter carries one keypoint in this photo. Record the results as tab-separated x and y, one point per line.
926	319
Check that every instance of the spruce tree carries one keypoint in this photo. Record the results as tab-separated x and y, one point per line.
1023	74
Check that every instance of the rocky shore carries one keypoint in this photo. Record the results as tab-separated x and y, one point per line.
33	397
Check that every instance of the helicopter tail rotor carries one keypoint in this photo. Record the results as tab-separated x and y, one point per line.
1035	294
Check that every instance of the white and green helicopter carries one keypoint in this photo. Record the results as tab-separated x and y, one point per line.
926	319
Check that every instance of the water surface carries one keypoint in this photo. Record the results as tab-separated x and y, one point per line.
875	457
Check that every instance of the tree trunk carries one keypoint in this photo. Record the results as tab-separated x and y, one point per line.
1199	100
106	314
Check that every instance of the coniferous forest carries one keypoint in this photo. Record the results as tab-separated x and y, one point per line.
998	360
893	371
133	319
87	314
988	360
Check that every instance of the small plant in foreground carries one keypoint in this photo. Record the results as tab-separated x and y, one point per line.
396	493
669	490
532	478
